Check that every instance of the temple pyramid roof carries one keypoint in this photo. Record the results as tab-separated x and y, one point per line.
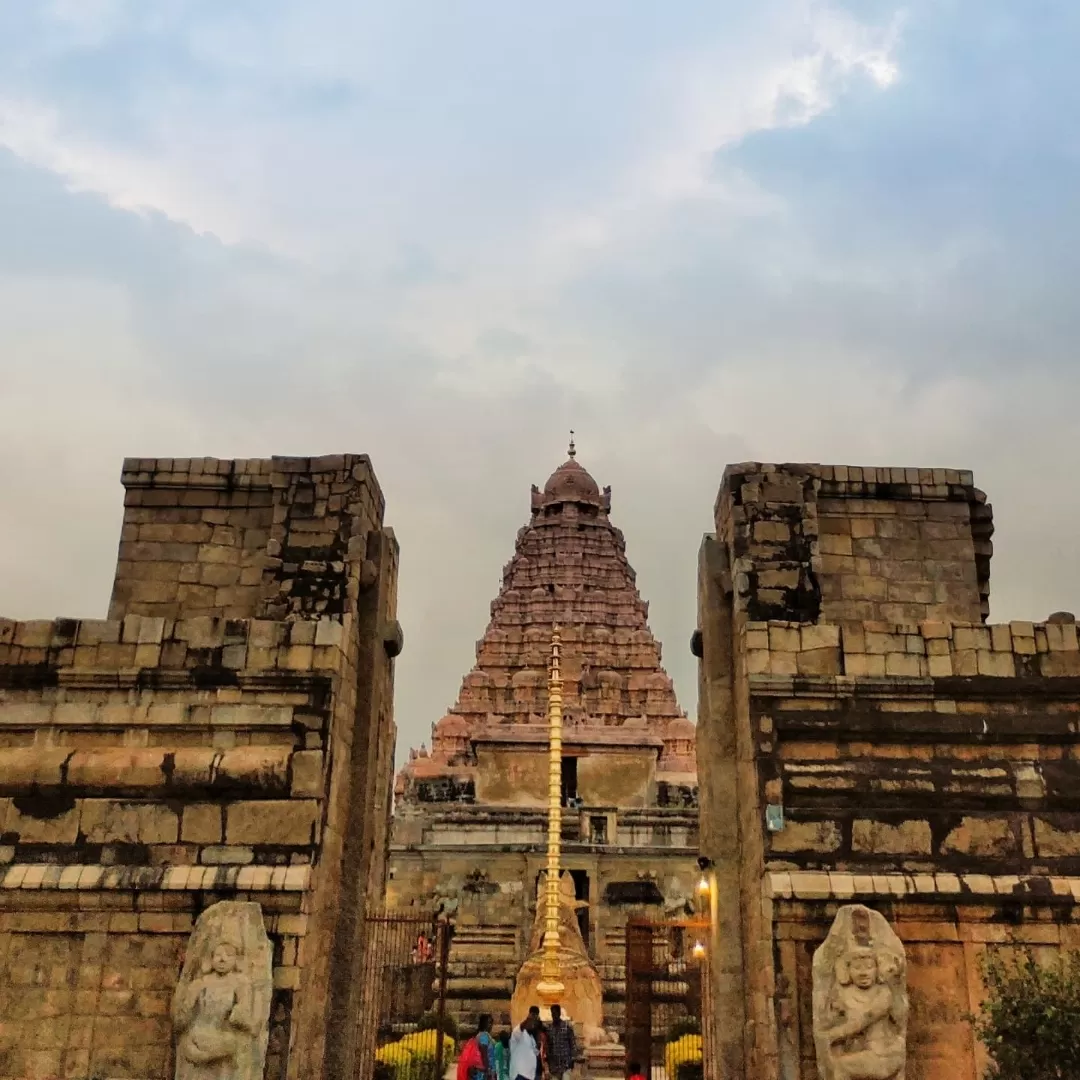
569	568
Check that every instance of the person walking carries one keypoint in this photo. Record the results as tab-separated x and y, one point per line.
541	1037
477	1058
502	1057
523	1051
487	1045
561	1046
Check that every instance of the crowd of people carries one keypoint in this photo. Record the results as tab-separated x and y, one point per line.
532	1051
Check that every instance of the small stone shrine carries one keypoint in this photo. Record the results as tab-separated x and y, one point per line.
582	998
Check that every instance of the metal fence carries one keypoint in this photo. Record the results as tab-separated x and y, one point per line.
402	1018
667	987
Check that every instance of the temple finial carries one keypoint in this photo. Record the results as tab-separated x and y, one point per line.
573	450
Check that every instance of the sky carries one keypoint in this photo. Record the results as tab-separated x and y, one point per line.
445	234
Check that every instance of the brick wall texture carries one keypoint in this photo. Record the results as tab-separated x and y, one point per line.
226	734
866	736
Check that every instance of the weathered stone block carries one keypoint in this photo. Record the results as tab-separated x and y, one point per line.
999	664
940	667
1052	842
106	821
819	636
272	821
971	637
202	823
227	855
306	768
116	767
818	662
784	639
911	837
982	837
903	664
796	836
43	820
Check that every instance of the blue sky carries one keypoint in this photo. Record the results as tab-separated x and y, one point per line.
443	234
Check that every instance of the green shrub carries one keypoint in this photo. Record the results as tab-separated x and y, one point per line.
430	1021
1029	1021
688	1025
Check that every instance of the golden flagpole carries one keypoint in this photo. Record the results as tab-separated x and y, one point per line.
550	987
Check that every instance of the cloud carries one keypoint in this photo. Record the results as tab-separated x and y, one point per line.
36	134
445	236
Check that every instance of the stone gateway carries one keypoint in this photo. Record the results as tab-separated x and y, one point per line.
470	817
869	742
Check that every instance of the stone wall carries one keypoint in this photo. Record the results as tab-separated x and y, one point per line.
224	735
486	878
845	543
945	934
925	766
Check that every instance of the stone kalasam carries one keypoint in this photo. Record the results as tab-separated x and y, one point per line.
221	1007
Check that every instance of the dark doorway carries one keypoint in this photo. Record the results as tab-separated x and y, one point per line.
581	892
569	780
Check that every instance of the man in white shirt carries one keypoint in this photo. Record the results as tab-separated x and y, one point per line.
523	1051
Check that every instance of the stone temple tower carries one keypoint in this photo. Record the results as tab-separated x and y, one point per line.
469	828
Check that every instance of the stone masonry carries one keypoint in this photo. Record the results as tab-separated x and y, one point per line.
227	733
865	737
470	823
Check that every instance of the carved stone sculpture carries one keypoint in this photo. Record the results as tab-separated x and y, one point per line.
570	939
582	999
860	999
221	1007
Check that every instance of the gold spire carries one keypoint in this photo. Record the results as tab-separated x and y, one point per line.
550	987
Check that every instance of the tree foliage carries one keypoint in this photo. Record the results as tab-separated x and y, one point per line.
1029	1021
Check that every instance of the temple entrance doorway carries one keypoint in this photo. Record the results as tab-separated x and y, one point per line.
666	979
402	1029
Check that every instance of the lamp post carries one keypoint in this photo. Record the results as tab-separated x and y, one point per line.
550	987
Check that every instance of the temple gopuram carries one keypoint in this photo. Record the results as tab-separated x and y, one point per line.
470	821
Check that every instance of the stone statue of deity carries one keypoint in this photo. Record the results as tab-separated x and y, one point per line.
221	1006
860	999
